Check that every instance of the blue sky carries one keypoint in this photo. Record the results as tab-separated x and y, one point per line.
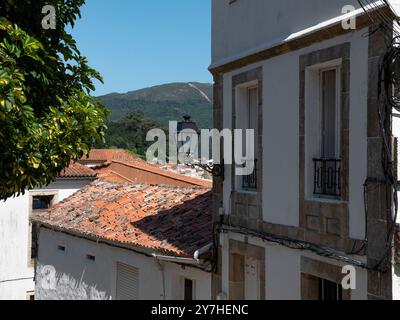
140	43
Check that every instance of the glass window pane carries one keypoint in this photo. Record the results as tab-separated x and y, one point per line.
329	114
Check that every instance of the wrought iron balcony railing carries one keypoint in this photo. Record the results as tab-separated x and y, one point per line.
249	182
327	180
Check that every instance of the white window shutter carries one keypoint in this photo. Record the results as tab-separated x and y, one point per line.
127	282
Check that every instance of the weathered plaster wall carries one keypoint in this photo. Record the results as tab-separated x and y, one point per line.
78	278
16	276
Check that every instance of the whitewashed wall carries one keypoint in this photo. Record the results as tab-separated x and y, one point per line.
16	276
268	23
81	279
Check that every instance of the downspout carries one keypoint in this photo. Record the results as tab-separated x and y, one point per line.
201	251
190	261
161	268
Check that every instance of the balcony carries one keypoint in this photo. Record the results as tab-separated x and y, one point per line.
249	182
327	181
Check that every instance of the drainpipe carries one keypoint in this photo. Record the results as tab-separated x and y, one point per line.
201	251
161	268
190	261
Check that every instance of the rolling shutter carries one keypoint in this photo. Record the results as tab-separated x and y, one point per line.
127	282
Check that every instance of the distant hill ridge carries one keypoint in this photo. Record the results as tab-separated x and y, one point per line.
164	103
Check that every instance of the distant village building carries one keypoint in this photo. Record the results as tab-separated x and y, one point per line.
17	250
126	241
323	193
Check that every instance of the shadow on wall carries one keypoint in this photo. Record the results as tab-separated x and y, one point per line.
186	227
51	285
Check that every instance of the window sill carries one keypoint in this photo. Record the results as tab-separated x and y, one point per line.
251	192
325	200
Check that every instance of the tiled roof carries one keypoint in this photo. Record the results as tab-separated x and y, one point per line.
173	221
151	174
106	155
76	170
111	176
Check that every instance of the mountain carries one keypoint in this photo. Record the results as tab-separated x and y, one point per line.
165	103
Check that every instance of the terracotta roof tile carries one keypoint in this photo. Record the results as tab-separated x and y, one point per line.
122	169
110	155
174	221
76	170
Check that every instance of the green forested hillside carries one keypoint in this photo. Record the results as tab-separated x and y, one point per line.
164	103
129	133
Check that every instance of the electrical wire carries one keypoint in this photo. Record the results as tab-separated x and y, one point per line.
388	99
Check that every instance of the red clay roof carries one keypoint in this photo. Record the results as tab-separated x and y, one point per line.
128	170
76	170
111	176
174	221
118	165
106	155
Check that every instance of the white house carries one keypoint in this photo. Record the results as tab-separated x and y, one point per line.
306	79
17	256
126	241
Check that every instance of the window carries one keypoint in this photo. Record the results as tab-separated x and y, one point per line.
188	290
33	242
327	165
252	279
91	257
329	290
42	202
247	119
329	121
315	288
39	200
323	131
127	282
30	295
245	278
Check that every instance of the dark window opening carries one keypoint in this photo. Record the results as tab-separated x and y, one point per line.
42	202
90	257
188	290
330	291
34	241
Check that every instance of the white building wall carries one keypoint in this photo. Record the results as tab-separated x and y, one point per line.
16	276
268	23
396	268
281	142
396	282
78	278
283	270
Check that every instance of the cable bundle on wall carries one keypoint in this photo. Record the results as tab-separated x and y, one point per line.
388	99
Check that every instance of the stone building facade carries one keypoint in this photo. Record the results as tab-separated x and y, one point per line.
319	200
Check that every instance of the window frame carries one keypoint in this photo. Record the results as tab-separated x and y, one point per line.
313	123
32	194
193	285
338	122
242	101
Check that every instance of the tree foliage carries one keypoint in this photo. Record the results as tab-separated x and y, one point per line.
47	117
130	133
